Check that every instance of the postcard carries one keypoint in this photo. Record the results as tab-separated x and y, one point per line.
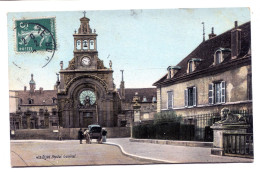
123	87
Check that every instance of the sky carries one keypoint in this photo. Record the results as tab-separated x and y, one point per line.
143	43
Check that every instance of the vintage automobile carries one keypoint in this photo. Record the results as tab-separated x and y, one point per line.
94	132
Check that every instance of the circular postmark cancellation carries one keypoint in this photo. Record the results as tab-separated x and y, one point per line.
36	35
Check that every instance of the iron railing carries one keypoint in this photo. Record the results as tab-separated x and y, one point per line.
238	144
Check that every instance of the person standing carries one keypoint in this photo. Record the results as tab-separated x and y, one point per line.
87	136
80	135
104	135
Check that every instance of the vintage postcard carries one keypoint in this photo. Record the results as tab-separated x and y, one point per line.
121	87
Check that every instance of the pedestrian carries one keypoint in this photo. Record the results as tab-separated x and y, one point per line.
80	135
86	134
104	135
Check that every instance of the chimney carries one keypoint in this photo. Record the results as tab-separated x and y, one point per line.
235	41
212	35
41	90
25	88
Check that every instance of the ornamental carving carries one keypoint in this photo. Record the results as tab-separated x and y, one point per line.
71	64
100	64
101	81
68	78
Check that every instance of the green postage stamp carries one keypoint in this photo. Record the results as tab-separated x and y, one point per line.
35	35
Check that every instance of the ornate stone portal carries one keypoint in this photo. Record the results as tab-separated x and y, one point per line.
229	124
86	92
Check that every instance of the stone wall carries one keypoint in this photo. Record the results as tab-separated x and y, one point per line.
65	133
236	89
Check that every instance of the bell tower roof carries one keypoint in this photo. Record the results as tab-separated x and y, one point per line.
84	25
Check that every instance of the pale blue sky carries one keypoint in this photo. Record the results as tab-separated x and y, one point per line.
142	42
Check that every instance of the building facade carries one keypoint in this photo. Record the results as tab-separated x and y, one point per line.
84	94
33	109
215	75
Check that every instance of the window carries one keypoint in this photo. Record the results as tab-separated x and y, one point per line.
190	96
144	99
78	46
190	66
30	101
170	100
154	99
217	92
218	58
85	44
92	45
53	100
20	101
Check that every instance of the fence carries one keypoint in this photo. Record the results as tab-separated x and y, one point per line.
199	129
238	144
202	123
166	131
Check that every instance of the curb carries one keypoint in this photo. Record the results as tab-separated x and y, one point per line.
140	157
175	143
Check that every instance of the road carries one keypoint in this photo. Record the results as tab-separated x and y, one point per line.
59	153
172	153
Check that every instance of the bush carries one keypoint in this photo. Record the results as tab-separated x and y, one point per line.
167	116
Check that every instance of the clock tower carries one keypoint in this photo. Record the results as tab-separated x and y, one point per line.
86	92
85	46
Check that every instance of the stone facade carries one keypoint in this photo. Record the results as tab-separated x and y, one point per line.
33	109
86	93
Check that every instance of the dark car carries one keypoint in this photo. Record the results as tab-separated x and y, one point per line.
94	132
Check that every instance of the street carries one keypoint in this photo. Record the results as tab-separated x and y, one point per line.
70	152
58	153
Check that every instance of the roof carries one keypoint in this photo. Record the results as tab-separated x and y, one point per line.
38	96
149	93
205	51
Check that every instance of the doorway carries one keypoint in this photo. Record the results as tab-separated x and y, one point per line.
87	119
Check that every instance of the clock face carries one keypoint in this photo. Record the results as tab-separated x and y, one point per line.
85	61
87	97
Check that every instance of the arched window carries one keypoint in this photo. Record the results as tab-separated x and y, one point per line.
30	101
92	44
85	44
78	46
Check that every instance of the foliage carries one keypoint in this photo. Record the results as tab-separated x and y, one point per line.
167	116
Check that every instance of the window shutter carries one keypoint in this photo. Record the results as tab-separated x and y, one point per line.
223	92
211	93
186	97
172	99
194	96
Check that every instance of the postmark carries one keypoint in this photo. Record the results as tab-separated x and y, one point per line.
36	35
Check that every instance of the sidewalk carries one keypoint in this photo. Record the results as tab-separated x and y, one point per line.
171	153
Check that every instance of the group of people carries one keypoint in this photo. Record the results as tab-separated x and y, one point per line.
85	134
